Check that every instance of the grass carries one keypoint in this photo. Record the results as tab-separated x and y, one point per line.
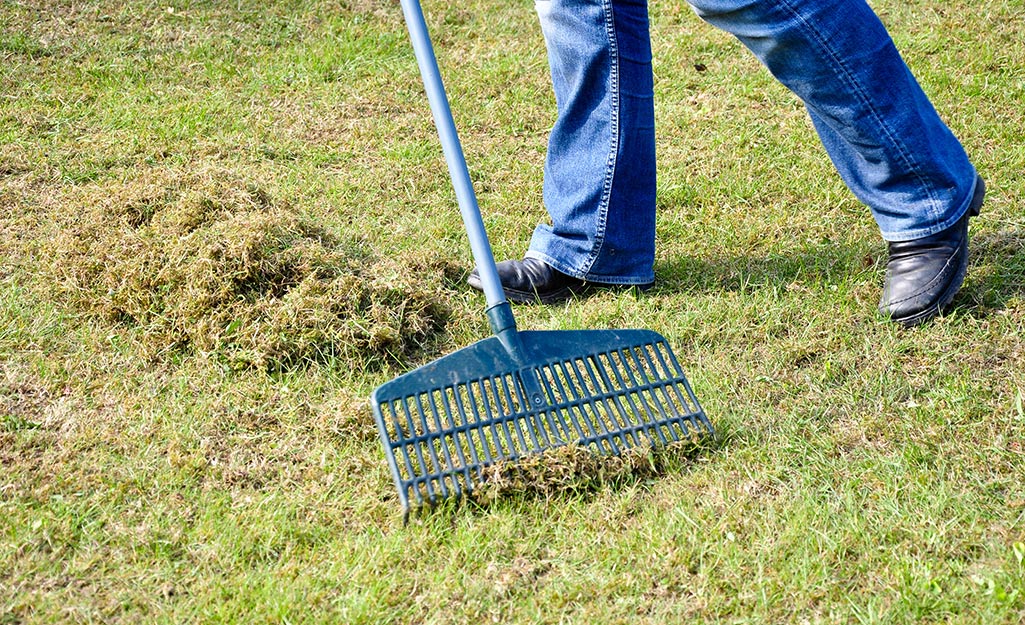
158	467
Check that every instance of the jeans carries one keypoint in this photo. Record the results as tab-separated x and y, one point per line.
881	132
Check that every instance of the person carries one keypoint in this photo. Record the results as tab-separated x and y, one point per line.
880	130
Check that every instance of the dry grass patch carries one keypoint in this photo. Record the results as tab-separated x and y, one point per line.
208	261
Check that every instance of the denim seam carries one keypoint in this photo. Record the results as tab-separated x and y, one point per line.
610	166
848	77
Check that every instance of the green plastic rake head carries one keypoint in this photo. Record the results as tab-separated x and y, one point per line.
610	390
520	393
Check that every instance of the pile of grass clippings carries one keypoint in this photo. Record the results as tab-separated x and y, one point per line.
575	469
209	262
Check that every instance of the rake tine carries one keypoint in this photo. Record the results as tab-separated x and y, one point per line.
564	430
616	356
564	404
403	439
426	440
481	433
535	427
650	386
477	428
576	404
519	425
681	422
680	400
622	424
439	440
689	402
498	428
640	388
580	365
618	384
456	429
412	442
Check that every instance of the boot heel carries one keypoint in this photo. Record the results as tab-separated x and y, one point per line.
980	194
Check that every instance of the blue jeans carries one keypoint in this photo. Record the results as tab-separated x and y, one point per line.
878	127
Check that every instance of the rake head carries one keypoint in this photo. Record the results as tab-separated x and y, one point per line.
609	390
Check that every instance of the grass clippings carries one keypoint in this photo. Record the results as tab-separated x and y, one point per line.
209	262
571	470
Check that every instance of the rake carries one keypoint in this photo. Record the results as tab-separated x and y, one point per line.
518	393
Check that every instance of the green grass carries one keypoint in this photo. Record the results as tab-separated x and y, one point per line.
864	474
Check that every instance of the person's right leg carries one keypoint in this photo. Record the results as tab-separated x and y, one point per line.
599	178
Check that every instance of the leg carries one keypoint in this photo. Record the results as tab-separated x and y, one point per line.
599	183
880	130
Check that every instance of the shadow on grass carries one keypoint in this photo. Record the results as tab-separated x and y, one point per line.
996	271
827	262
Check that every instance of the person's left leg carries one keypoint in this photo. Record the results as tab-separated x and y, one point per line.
880	130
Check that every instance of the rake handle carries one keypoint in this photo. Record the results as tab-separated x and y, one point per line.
468	208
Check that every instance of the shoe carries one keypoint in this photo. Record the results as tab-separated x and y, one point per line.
924	275
530	281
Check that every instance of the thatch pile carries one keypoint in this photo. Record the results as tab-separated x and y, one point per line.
208	261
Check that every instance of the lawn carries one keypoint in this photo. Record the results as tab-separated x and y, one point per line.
223	224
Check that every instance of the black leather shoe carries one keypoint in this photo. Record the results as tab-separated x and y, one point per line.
530	281
924	275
